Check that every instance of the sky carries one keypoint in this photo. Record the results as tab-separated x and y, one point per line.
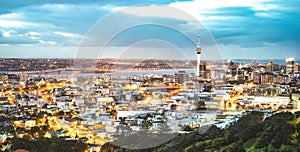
167	29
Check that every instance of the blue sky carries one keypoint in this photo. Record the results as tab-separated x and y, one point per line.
262	29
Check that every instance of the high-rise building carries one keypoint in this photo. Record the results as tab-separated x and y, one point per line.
230	64
270	66
198	51
23	77
289	67
202	70
204	73
296	68
255	63
181	77
3	78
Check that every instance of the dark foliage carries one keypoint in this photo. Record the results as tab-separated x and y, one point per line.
48	145
280	132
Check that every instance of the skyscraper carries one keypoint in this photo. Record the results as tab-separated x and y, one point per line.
198	51
289	67
270	66
296	68
181	77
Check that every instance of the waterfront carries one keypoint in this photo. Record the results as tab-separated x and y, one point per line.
102	107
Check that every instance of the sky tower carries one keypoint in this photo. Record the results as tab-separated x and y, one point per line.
198	51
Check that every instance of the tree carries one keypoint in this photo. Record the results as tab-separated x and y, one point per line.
8	129
61	113
53	144
277	131
164	128
244	128
34	129
3	118
187	128
201	105
288	148
146	124
45	106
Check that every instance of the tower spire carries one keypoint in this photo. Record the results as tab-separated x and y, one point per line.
198	41
198	51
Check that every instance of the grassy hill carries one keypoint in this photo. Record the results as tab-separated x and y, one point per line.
250	133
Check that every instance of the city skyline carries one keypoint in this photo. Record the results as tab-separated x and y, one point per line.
261	29
168	75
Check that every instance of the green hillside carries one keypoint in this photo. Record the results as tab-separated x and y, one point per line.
250	133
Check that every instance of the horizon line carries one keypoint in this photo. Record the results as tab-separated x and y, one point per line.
143	58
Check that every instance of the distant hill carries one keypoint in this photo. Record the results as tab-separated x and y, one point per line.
261	61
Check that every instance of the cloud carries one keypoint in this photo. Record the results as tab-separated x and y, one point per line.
47	42
12	20
245	23
14	24
42	24
32	34
65	34
6	33
200	7
266	7
242	23
254	26
157	11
